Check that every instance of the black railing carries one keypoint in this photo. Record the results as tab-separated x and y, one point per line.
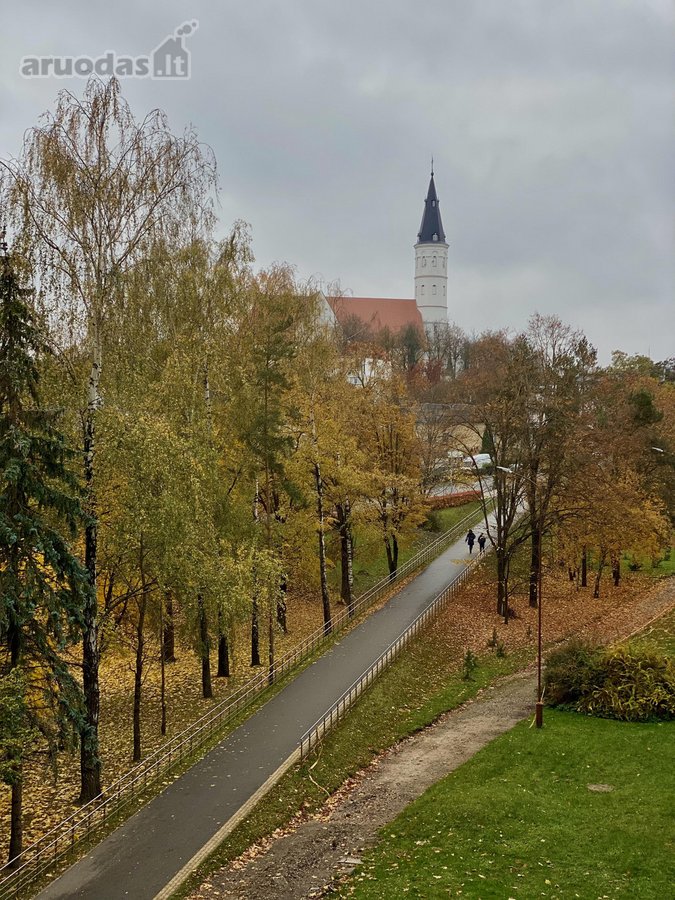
336	712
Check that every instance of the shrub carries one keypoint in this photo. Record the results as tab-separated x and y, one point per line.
469	665
572	672
638	684
432	522
624	682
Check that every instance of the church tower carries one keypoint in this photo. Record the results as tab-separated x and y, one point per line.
431	262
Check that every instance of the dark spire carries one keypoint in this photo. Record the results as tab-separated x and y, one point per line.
431	229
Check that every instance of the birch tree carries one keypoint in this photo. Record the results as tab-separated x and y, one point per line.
92	190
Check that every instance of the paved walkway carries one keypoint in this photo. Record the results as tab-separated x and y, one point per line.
143	855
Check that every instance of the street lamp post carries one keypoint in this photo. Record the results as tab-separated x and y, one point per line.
539	706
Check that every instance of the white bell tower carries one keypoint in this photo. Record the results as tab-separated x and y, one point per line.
431	263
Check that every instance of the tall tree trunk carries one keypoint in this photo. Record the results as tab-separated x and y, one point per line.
584	567
169	631
223	657
616	568
325	597
162	667
138	674
350	564
346	556
90	764
281	605
223	650
598	574
535	562
270	646
16	817
255	634
16	810
391	563
268	532
282	611
502	594
204	650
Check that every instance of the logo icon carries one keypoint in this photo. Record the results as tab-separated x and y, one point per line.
170	59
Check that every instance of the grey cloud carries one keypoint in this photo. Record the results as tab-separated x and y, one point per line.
550	124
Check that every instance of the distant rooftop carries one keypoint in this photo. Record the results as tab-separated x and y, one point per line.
377	312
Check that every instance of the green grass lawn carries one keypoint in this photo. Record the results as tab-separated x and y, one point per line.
661	567
442	519
518	820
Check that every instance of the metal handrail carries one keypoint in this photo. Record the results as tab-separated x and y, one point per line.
59	840
337	710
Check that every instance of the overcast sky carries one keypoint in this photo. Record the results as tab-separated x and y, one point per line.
550	123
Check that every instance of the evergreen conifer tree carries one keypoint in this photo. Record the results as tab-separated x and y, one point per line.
42	584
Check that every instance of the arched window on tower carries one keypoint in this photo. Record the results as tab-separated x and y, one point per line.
433	290
424	260
433	260
422	290
444	290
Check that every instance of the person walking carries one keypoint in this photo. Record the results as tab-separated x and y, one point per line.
470	539
481	543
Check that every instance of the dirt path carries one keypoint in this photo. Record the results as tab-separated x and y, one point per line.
305	862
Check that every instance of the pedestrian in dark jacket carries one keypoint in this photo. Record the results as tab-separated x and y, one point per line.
481	543
470	539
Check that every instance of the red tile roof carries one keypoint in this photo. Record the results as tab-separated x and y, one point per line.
378	312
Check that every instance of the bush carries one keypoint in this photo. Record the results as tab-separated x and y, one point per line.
627	683
638	685
469	665
572	672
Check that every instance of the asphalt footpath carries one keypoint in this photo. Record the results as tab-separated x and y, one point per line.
142	856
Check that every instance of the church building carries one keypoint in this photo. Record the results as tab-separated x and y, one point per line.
430	304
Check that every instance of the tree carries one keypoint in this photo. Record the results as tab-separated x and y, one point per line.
494	410
278	313
615	502
91	192
43	587
446	349
390	439
556	383
327	462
